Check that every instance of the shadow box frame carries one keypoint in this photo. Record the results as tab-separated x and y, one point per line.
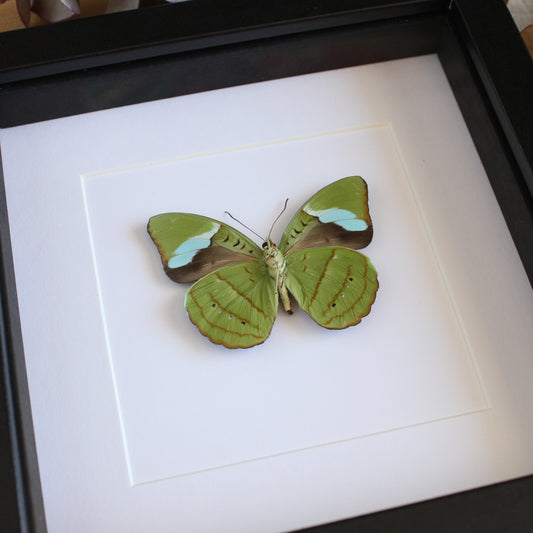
170	50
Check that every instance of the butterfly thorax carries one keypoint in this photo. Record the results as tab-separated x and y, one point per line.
274	260
277	268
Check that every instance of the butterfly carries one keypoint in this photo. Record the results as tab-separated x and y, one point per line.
238	285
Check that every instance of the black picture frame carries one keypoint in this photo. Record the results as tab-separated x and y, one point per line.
164	51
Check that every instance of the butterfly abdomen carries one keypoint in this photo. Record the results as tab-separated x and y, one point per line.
277	269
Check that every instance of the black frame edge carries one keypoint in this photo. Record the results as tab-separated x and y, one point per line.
22	479
505	68
505	145
162	77
183	27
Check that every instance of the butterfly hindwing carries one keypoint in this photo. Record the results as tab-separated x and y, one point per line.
337	215
234	306
336	286
192	246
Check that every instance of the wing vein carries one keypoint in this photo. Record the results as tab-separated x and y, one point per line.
258	309
347	310
216	326
319	283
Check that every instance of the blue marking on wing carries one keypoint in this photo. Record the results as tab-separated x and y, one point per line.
332	215
196	243
186	251
344	218
182	259
353	224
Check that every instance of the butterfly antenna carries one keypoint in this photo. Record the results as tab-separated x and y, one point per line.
244	225
277	218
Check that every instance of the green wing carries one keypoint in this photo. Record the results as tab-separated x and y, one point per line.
335	286
337	215
192	246
234	306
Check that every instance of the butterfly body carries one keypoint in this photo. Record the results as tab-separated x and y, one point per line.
277	270
234	299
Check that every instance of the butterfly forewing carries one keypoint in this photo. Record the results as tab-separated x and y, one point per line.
234	306
335	286
192	246
337	215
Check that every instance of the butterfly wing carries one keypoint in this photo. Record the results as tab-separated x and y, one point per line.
192	246
234	306
337	215
335	286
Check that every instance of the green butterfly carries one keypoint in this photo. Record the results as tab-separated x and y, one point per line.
234	301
